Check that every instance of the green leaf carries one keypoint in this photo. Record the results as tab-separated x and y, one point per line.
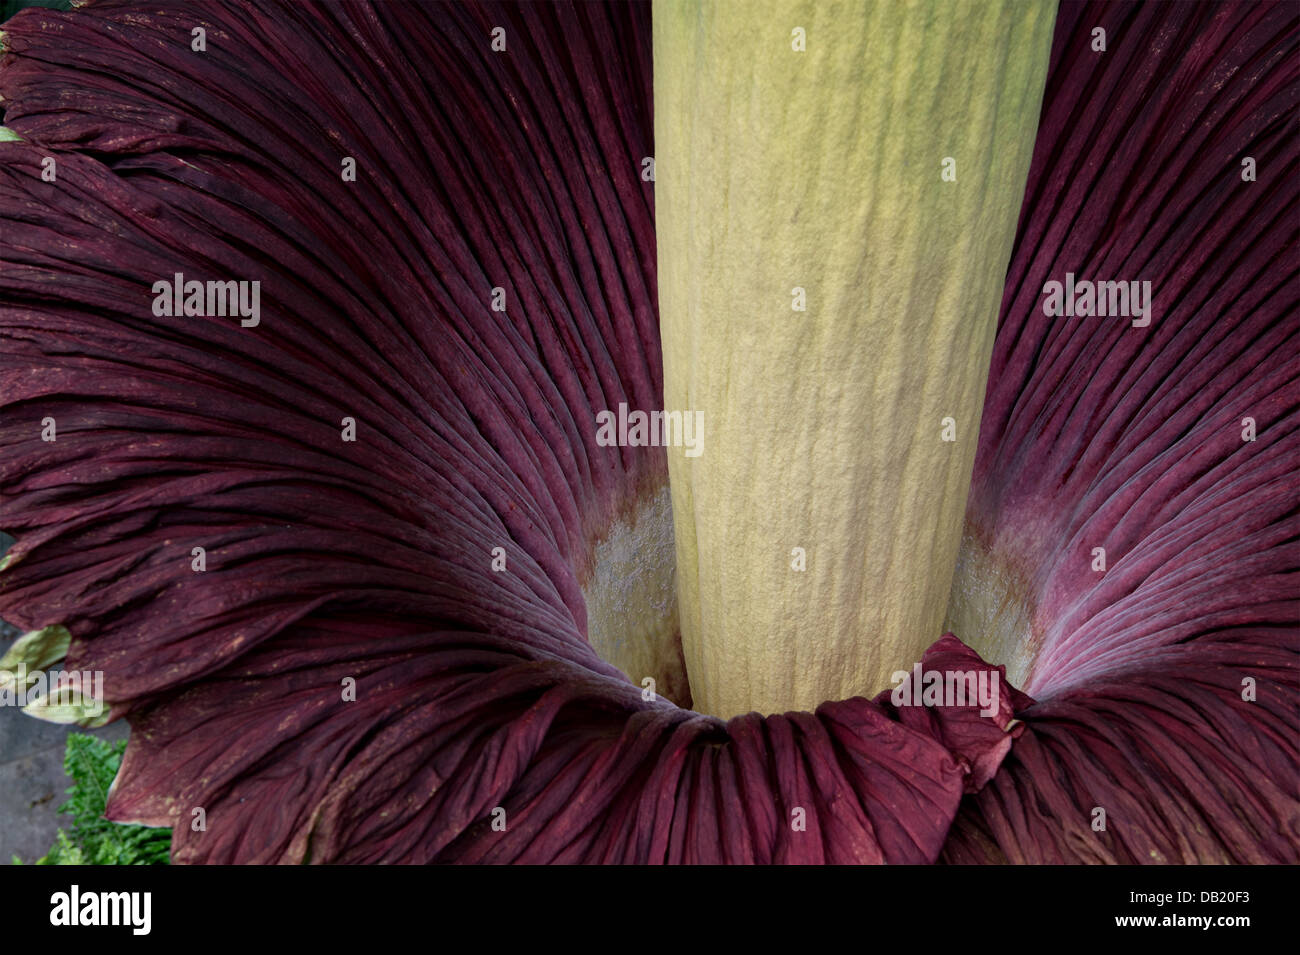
92	765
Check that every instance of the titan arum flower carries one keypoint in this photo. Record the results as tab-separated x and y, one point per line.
370	584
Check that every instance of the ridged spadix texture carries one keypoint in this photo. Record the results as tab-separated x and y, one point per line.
372	561
838	189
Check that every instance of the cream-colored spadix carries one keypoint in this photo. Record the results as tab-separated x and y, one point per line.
837	194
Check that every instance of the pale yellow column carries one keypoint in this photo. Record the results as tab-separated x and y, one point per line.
874	156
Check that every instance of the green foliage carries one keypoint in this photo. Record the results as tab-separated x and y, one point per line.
93	840
9	7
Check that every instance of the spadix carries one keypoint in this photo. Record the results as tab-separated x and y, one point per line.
837	193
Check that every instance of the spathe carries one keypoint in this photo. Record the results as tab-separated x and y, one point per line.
1167	682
